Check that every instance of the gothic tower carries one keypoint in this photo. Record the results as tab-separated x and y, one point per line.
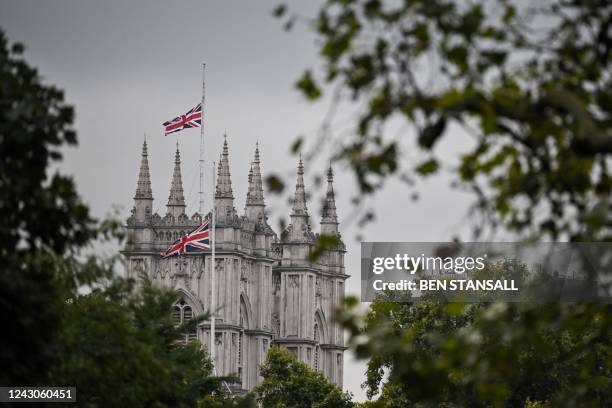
308	291
269	292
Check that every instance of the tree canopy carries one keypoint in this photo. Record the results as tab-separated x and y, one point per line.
288	382
118	346
500	354
43	216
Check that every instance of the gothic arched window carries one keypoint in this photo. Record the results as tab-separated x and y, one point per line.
182	313
187	313
176	315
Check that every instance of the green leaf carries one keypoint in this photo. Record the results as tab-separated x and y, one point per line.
430	135
279	10
427	168
297	145
495	57
509	13
274	184
324	242
458	55
308	86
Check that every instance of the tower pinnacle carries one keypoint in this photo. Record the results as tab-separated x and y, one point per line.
143	199
176	200
255	205
224	197
143	189
299	198
329	217
299	227
255	192
224	182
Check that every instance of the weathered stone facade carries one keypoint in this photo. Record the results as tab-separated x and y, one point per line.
268	293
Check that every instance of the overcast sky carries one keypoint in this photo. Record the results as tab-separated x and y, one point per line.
128	66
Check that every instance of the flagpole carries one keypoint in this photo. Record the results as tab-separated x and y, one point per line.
204	119
201	211
213	272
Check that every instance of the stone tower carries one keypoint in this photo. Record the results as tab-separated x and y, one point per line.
267	290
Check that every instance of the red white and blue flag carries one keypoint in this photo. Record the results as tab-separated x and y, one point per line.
192	119
195	242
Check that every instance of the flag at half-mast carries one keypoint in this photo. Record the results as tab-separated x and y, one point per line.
192	119
195	242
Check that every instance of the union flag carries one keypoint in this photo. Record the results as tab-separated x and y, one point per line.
195	242
192	119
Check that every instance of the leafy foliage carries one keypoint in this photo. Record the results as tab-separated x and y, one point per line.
42	217
322	244
434	353
530	82
288	382
118	346
485	355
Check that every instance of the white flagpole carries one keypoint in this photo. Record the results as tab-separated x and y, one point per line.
213	272
204	119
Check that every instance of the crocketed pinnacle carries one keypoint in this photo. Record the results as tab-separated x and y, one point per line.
224	181
299	198
255	192
176	198
143	189
329	215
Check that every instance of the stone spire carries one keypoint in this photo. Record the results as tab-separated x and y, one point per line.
143	189
143	199
224	181
176	200
225	213
299	228
329	218
299	198
255	205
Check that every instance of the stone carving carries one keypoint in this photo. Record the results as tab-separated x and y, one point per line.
275	325
294	281
243	279
276	282
318	293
